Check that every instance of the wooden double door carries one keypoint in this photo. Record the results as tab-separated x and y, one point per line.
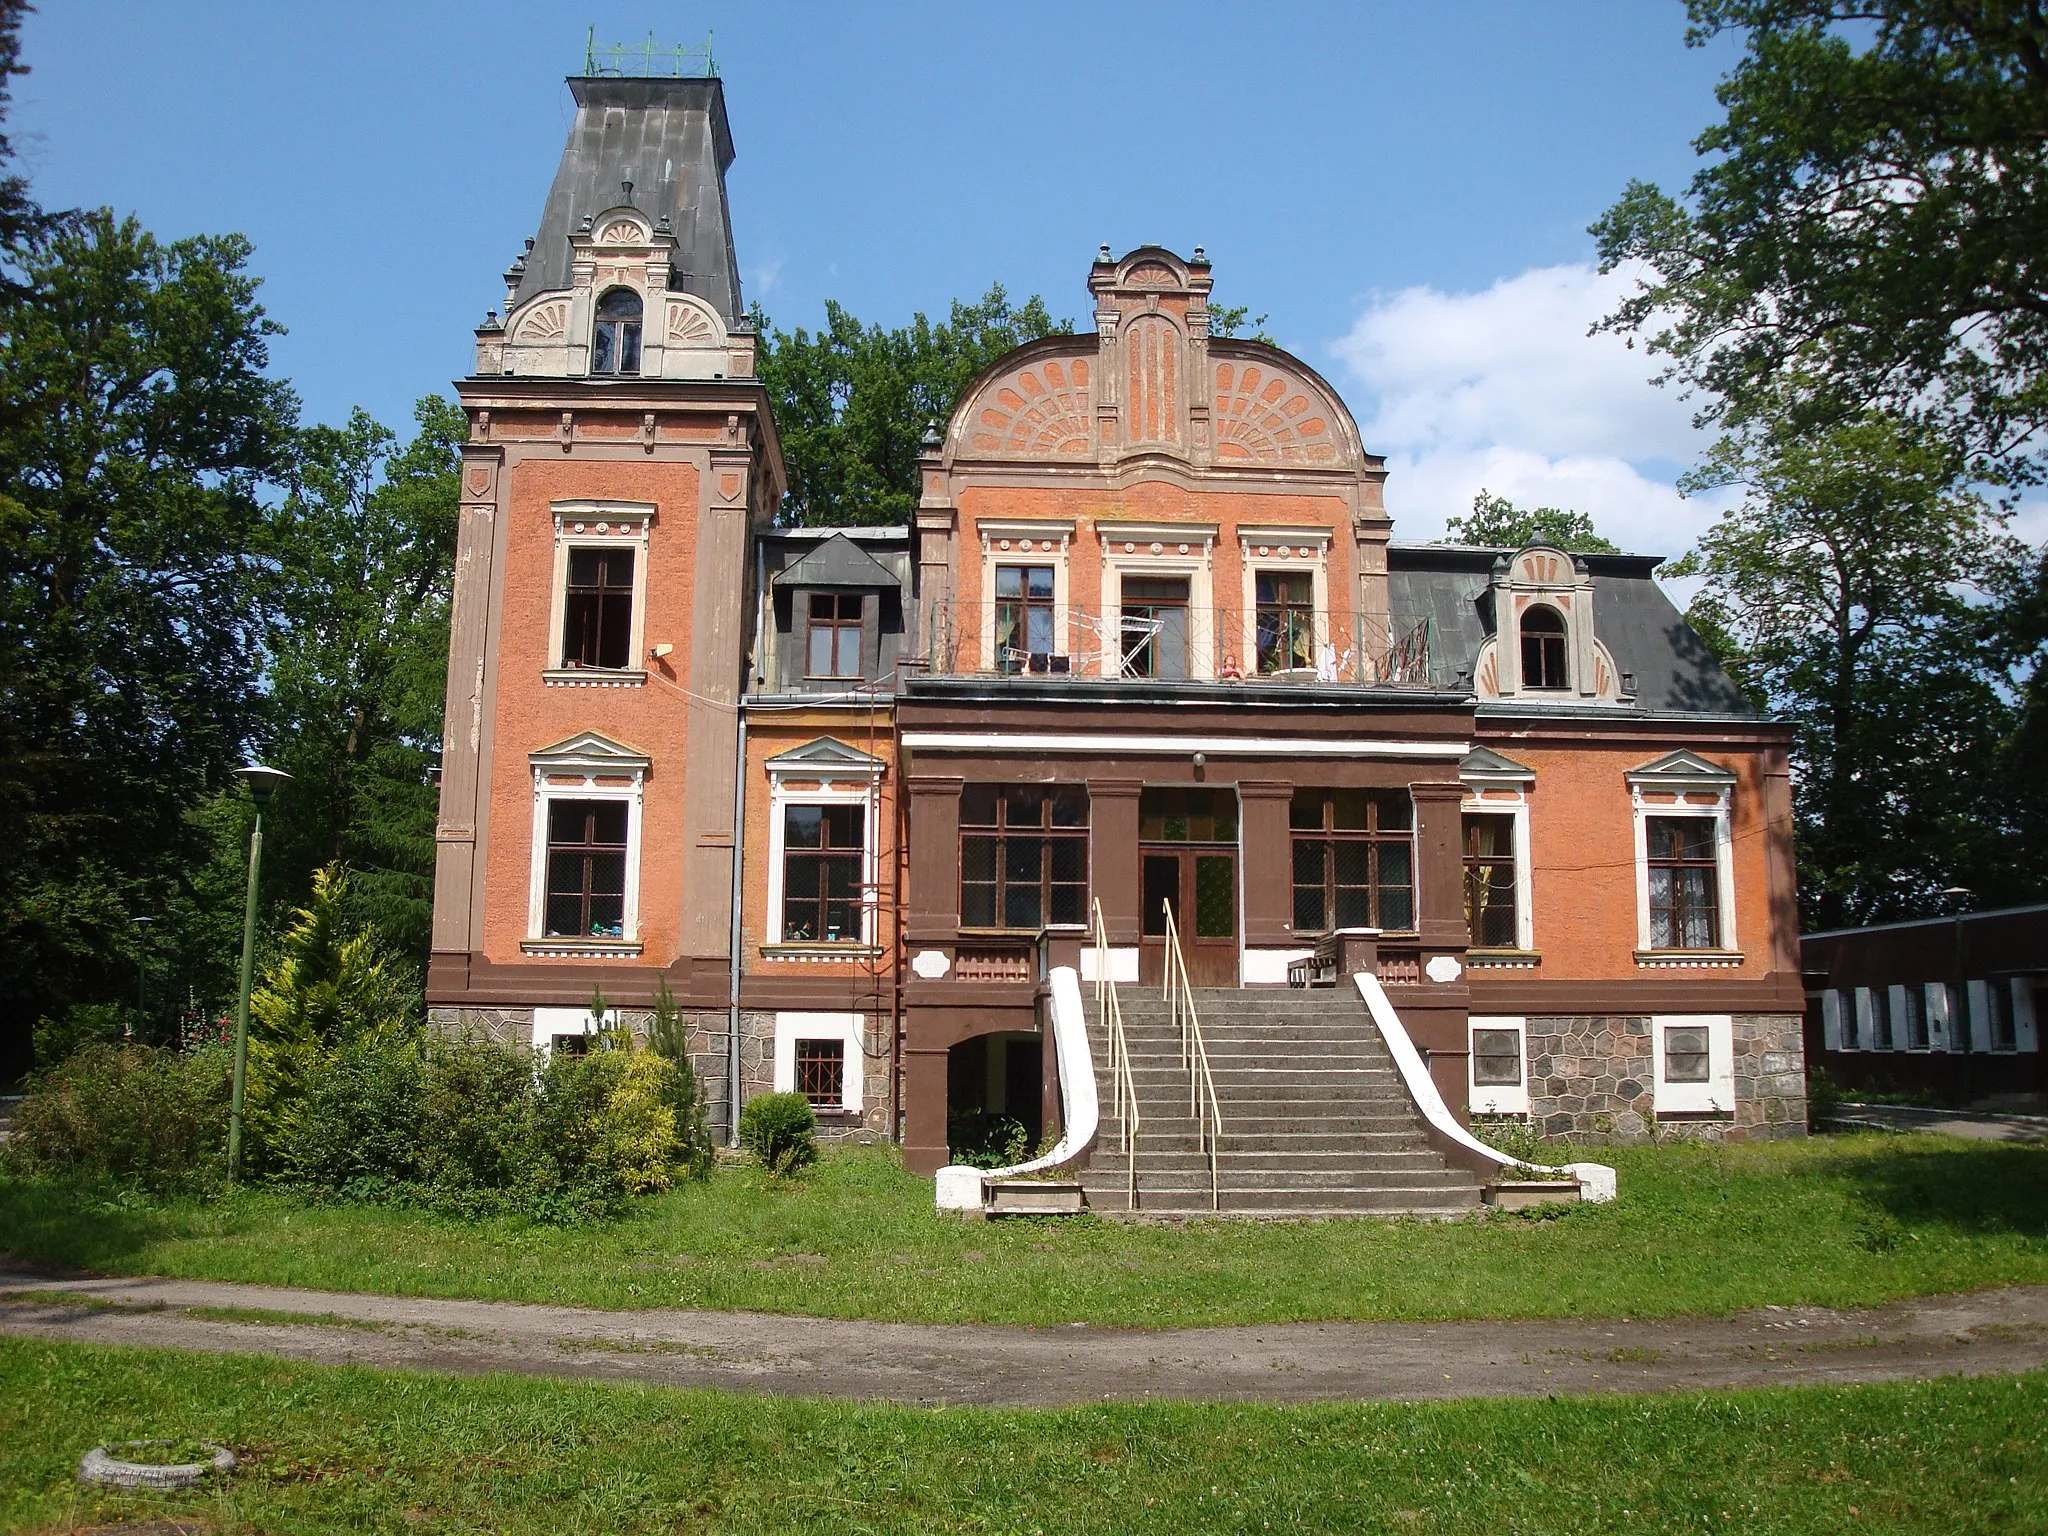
1199	885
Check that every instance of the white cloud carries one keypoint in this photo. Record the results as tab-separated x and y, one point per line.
1504	389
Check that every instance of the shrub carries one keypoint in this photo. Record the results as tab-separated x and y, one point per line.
780	1130
981	1138
479	1108
81	1024
355	1127
150	1117
668	1038
605	1119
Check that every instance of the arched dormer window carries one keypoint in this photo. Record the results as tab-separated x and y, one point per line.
1544	653
615	348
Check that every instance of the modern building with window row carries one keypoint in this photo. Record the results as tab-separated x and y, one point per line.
1148	650
1947	1007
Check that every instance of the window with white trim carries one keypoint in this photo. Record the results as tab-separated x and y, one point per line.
823	818
583	887
1685	897
1694	1058
823	1057
1499	1067
598	613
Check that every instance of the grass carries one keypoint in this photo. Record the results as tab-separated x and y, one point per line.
328	1449
1834	1221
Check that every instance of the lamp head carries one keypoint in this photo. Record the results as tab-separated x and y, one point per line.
263	782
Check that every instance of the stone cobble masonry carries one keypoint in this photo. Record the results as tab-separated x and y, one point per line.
1594	1079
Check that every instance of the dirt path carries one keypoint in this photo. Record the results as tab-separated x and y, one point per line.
1980	1333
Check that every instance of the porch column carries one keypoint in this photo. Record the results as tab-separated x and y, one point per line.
1438	1013
1267	850
1113	864
934	906
924	1107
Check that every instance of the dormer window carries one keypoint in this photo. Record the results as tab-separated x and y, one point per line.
615	348
1544	650
834	649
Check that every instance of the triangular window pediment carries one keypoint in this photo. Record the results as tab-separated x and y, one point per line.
589	752
837	562
824	755
1681	768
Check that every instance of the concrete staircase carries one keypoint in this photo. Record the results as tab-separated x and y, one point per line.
1315	1120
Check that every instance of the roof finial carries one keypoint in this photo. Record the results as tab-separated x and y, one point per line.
627	186
1103	254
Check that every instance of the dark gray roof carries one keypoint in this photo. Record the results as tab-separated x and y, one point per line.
668	137
1674	671
837	562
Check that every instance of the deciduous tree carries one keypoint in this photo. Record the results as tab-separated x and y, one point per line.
1497	522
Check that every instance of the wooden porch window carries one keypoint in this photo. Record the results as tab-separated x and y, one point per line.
1354	860
1023	855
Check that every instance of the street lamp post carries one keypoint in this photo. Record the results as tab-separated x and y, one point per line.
263	783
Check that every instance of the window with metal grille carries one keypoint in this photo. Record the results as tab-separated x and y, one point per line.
1023	615
1685	1054
1497	1058
1490	915
835	634
1354	859
1023	855
615	343
2003	1031
823	852
1685	908
1543	649
586	869
597	612
821	1072
1286	620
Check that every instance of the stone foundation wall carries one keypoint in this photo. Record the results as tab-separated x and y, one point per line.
1593	1079
707	1038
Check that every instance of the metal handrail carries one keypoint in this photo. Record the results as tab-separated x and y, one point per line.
1203	1106
1123	1082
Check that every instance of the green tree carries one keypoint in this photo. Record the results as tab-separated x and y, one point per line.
358	661
1497	523
137	430
1231	319
1850	587
853	401
1870	230
21	219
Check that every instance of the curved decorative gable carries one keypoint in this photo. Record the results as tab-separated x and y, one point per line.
1041	410
1265	416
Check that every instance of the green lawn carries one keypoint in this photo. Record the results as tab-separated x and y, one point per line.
1834	1221
350	1450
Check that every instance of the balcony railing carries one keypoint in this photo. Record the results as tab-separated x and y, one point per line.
1173	643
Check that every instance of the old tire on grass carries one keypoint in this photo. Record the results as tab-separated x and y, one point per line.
103	1465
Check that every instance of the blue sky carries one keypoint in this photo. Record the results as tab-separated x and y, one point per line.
1404	187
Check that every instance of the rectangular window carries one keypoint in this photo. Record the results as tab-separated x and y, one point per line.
1496	1058
1686	1057
1023	616
1884	1028
1684	895
821	1072
1490	914
1354	860
586	897
822	855
835	634
1286	620
1023	855
1153	626
1999	1016
597	614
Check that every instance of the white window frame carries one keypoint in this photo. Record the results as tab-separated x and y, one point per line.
2026	1029
850	1028
1831	1036
1165	550
572	771
550	1024
1940	1017
1006	541
1717	1094
1493	1098
599	525
1254	564
825	784
1721	813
